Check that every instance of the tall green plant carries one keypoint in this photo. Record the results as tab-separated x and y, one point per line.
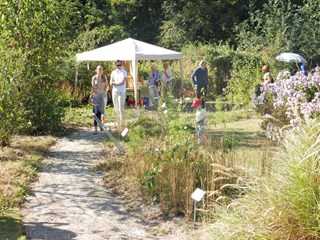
8	107
11	112
306	36
40	31
245	74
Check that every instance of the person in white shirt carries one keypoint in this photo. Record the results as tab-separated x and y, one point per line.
201	119
167	78
118	82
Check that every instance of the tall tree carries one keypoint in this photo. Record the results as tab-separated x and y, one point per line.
38	33
202	21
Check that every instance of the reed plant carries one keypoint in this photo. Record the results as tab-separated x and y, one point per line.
284	205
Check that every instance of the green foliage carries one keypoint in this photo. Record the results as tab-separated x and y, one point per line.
40	32
308	35
277	28
233	73
192	55
220	58
245	75
79	116
149	178
9	114
229	142
199	21
44	108
138	18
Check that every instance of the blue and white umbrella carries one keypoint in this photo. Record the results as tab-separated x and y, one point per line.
291	58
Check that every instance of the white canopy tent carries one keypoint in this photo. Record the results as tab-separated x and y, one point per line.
131	50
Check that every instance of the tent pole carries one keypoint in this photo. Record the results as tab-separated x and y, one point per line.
135	78
182	77
76	77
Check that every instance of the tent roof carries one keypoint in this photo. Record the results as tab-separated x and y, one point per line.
129	50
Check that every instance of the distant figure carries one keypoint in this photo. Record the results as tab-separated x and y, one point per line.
200	78
167	78
100	80
118	82
97	101
304	69
267	78
154	84
201	119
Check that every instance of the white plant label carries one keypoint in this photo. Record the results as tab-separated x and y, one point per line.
198	194
124	132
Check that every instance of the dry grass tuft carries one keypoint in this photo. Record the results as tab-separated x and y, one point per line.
19	163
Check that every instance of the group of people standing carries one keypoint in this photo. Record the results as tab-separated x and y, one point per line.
99	97
100	87
156	78
118	78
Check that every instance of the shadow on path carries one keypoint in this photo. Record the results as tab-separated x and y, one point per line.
48	230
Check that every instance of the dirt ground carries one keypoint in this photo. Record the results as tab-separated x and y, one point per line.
68	201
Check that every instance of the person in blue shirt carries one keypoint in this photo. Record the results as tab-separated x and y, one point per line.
97	101
200	78
304	69
154	84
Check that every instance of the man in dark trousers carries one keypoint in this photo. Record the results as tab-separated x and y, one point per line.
200	78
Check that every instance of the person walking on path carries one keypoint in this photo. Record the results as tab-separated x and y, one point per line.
154	83
103	87
200	78
97	101
118	82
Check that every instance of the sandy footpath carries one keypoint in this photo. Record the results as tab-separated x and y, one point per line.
67	202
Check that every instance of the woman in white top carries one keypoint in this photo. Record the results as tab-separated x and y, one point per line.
118	82
266	76
167	78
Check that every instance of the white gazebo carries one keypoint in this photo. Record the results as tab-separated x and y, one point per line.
131	50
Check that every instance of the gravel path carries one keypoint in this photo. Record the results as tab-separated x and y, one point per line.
68	203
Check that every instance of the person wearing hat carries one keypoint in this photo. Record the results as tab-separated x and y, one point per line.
201	119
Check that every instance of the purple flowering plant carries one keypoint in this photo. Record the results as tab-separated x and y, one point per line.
290	99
